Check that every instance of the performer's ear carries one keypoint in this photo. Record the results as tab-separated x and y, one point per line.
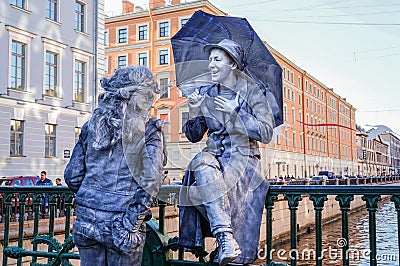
233	65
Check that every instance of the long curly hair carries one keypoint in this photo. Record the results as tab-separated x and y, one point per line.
121	89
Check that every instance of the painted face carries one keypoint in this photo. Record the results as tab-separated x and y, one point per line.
220	65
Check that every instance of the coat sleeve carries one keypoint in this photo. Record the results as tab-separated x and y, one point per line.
253	117
75	170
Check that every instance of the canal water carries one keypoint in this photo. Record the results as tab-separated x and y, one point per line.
359	254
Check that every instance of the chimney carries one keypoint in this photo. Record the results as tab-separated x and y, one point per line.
175	2
156	3
127	7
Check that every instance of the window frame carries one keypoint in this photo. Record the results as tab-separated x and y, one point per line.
23	5
48	144
139	58
56	11
145	33
21	132
18	72
165	30
51	65
117	62
164	94
165	57
118	35
80	17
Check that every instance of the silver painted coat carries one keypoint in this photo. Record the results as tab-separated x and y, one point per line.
232	140
107	188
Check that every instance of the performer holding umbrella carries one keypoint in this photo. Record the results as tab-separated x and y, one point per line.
223	191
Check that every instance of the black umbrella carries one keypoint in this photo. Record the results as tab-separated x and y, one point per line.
191	63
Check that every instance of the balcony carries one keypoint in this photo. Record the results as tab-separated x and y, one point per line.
21	213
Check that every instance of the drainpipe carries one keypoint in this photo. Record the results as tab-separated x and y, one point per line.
95	46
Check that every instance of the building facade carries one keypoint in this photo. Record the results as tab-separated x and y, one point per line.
48	83
319	126
393	143
373	155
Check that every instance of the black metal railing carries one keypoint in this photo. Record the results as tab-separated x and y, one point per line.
17	202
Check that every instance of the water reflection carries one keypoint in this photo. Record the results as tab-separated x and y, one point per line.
387	247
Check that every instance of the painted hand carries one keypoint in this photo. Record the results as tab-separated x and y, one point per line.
195	98
225	105
124	239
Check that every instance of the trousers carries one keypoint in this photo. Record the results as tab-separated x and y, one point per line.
92	235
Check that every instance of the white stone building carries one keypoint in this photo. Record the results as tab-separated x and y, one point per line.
52	56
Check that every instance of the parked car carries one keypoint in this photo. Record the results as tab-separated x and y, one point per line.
274	180
319	178
19	181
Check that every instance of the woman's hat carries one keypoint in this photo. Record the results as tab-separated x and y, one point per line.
231	47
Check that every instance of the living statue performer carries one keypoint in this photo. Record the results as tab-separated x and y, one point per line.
223	191
116	170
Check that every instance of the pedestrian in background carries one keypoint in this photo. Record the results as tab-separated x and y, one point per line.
44	181
58	182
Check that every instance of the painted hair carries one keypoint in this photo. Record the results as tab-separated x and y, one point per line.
121	89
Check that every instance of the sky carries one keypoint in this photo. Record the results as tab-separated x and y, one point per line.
352	46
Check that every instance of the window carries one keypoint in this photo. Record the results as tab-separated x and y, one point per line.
79	86
164	29
164	88
164	116
183	22
123	35
294	139
301	142
284	92
299	82
142	59
16	137
51	10
121	61
106	39
306	85
299	99
185	117
19	3
77	133
79	16
106	64
164	57
50	141
50	82
293	116
285	113
18	65
142	32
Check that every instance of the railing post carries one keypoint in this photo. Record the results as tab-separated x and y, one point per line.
293	202
68	206
396	200
161	215
269	205
37	201
8	201
344	203
372	206
22	198
318	201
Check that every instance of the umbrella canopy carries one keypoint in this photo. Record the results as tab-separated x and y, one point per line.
191	63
